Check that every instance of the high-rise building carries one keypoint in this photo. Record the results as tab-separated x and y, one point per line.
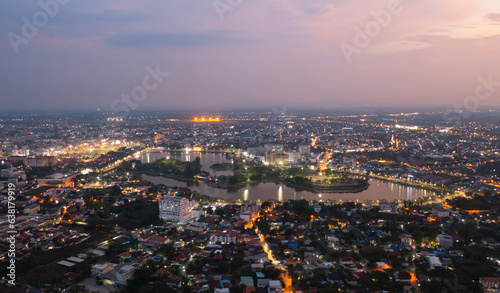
276	158
305	149
271	158
176	209
274	148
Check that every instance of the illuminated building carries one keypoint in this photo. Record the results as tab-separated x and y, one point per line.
209	119
273	148
176	209
305	149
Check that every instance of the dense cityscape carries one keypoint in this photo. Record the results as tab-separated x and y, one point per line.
267	146
250	202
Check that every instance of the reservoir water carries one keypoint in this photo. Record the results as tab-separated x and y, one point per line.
378	190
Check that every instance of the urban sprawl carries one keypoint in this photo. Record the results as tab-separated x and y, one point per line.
250	202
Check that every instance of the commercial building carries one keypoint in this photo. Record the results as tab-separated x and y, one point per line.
32	209
305	149
125	273
440	212
225	237
100	269
388	207
445	241
490	284
176	209
250	207
273	148
276	158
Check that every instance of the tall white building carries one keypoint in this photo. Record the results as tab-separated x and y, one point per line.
305	149
274	148
293	156
176	209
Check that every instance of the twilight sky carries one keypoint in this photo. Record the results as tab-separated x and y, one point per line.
247	54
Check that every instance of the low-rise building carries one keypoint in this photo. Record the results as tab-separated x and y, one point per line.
100	269
440	212
32	209
388	207
225	237
445	241
490	284
125	273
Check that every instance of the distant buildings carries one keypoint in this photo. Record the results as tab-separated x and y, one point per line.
294	156
445	241
490	284
348	130
125	273
32	209
388	207
250	207
434	261
12	173
305	149
58	179
274	148
100	269
349	162
274	286
225	237
276	158
176	209
440	212
490	243
248	216
406	238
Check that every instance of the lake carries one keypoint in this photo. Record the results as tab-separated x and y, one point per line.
378	190
206	159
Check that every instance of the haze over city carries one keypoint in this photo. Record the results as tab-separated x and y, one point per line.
248	54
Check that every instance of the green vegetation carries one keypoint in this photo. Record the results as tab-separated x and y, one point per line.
136	214
40	267
476	203
222	167
164	166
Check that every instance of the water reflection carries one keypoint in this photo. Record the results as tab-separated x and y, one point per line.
378	190
207	159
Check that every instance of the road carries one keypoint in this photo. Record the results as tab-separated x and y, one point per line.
186	265
284	275
119	162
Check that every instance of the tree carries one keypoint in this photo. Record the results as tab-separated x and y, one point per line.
237	262
94	221
115	191
373	253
